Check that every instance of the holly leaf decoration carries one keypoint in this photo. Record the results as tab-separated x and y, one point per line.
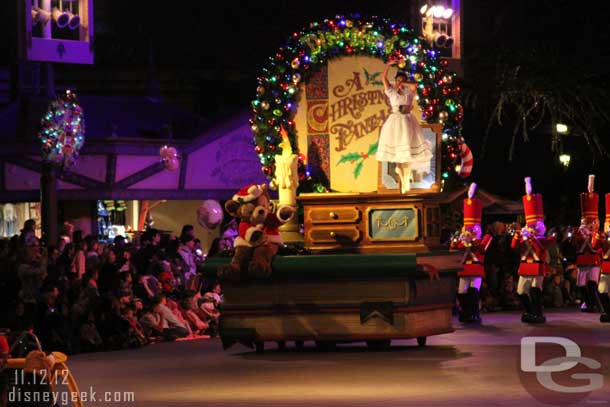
373	148
358	169
372	78
349	158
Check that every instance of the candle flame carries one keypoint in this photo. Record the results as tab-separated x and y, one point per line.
285	144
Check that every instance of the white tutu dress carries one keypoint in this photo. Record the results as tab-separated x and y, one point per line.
401	139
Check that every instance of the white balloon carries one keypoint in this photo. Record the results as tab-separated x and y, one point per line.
210	214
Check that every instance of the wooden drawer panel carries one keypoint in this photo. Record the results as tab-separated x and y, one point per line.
329	214
333	234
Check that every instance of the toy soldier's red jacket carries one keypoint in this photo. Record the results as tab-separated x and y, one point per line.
604	247
533	256
474	257
588	253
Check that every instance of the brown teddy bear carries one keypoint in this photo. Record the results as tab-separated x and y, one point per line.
259	237
271	217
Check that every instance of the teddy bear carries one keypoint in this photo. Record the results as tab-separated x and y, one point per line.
259	237
271	217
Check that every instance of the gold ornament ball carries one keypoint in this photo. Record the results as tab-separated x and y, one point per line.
265	105
418	76
295	63
443	115
402	64
260	90
296	78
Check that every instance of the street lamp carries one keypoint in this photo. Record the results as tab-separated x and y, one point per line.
561	128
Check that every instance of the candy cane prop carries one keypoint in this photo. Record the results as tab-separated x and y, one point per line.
467	161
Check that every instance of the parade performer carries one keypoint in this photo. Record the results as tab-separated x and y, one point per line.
604	278
588	256
401	139
474	248
530	242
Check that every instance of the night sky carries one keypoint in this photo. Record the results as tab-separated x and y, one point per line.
213	53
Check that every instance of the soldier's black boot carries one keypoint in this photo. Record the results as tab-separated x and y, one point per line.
536	294
605	300
527	308
475	315
593	297
464	307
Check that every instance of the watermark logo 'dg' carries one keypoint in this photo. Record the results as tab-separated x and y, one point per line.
572	358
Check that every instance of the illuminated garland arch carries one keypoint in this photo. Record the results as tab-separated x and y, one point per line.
307	50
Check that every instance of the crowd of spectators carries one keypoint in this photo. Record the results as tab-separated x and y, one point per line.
83	295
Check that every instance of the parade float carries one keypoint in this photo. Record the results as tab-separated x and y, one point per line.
375	269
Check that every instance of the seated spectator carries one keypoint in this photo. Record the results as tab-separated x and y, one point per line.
172	320
553	293
90	339
215	294
50	325
155	323
175	309
135	336
198	326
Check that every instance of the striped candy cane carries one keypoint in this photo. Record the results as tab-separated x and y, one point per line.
467	161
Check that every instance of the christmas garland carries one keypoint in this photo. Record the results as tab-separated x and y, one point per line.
310	48
62	130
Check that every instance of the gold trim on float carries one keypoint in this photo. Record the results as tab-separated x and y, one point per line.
392	239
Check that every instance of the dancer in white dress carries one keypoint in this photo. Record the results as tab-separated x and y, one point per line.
401	139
